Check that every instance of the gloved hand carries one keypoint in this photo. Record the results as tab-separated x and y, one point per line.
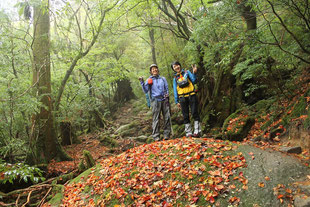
150	81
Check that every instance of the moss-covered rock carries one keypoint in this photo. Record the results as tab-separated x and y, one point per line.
262	105
57	195
240	131
108	141
298	109
200	179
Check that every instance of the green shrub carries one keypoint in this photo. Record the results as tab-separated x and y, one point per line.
20	171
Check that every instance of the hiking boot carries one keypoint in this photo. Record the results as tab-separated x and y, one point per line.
156	139
166	138
188	130
197	129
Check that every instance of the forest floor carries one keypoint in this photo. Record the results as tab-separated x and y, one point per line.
178	172
266	176
91	143
125	115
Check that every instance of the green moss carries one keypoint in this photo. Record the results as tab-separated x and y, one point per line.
179	131
151	156
299	108
267	124
132	174
149	140
108	141
230	117
82	166
57	198
81	177
241	130
307	121
88	158
262	105
87	189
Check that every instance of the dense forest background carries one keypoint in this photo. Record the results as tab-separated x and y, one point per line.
71	64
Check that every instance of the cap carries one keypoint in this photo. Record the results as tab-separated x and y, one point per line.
153	65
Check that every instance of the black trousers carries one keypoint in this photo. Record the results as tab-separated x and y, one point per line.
189	102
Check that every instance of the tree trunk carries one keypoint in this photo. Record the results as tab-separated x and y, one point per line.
123	91
43	142
249	15
152	40
67	133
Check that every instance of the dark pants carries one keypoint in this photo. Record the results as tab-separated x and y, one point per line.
157	108
192	102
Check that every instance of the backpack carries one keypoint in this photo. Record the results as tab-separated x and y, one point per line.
182	81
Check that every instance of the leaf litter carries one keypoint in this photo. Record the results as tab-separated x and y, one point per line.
179	172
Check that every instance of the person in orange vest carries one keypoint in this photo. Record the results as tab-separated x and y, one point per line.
157	87
185	97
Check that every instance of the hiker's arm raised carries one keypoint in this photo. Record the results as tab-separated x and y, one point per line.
194	68
144	85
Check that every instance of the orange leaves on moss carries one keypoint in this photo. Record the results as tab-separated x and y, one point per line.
161	173
234	200
283	193
261	184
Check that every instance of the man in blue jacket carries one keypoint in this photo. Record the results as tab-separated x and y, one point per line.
157	87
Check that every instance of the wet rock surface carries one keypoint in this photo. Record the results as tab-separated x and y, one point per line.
273	169
295	150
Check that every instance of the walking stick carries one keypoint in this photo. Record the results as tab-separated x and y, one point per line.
172	133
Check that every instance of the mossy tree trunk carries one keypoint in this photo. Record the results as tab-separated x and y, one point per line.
43	142
222	96
152	42
249	15
123	91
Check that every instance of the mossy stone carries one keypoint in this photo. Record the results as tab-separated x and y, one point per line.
108	141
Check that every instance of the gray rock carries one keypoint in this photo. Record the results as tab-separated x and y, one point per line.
294	150
127	129
141	138
305	189
122	128
279	167
302	202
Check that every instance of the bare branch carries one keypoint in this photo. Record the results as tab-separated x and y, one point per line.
290	32
302	15
277	42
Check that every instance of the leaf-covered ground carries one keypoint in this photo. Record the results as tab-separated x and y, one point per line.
189	172
177	172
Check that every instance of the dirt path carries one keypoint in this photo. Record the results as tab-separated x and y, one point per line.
91	142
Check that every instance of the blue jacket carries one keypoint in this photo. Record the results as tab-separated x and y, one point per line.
185	74
159	88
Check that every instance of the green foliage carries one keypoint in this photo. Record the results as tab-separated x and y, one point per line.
17	103
270	59
20	171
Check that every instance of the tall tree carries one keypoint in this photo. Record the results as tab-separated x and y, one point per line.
84	49
44	143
